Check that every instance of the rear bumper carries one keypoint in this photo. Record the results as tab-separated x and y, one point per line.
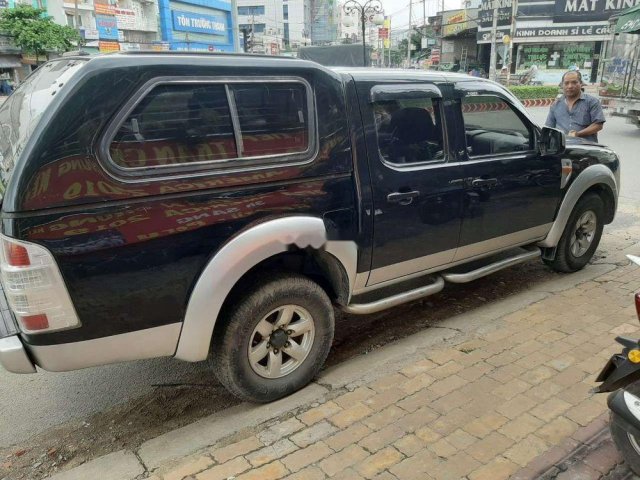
13	356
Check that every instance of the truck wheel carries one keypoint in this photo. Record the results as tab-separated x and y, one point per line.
628	445
275	338
581	235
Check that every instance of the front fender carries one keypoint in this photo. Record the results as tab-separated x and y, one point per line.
593	175
229	264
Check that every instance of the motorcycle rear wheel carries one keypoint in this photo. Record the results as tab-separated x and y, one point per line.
628	444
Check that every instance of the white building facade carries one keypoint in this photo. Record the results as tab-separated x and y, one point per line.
277	25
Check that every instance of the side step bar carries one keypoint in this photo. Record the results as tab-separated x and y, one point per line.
491	268
394	300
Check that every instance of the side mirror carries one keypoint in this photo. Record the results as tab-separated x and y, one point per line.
552	141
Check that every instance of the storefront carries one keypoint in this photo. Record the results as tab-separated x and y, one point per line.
551	39
198	25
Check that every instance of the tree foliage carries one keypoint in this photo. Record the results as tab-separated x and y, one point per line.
35	32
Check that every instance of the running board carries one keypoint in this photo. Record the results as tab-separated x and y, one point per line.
491	268
395	300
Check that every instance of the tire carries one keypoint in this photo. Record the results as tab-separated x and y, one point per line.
581	235
258	379
628	445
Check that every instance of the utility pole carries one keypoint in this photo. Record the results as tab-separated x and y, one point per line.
512	35
253	27
409	38
76	14
494	34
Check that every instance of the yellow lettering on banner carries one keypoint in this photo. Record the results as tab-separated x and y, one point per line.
140	161
82	221
138	218
78	231
204	151
73	191
162	155
42	184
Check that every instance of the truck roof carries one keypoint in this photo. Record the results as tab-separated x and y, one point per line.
265	61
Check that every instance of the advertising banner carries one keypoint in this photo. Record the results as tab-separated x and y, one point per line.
126	19
485	15
106	47
199	23
589	10
603	30
89	33
104	9
107	27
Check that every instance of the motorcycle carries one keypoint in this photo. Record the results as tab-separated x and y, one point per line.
621	377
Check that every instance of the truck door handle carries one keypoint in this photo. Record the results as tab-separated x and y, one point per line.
403	198
484	182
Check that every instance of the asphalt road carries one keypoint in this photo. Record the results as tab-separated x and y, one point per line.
31	404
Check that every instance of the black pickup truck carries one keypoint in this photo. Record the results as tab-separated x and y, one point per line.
219	206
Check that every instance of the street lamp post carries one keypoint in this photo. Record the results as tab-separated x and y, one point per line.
370	7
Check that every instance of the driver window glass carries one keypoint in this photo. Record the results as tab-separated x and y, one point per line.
492	127
409	130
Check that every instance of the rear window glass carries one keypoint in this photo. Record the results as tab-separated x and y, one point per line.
181	124
176	124
21	112
273	118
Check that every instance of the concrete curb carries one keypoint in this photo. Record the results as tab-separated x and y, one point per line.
121	465
393	357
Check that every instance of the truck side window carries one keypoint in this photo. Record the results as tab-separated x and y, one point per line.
493	127
409	130
273	118
176	124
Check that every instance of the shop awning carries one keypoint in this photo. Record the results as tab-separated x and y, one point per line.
10	61
628	20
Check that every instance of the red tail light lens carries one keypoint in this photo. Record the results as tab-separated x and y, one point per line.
17	255
638	304
35	322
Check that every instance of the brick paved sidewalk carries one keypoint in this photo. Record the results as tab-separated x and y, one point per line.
483	406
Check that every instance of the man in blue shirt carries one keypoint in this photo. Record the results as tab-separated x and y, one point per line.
576	113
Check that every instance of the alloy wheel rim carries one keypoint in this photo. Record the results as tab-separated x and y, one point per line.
281	341
634	443
584	233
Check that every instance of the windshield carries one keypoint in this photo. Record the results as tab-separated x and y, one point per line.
20	113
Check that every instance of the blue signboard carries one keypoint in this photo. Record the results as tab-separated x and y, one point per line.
199	23
107	27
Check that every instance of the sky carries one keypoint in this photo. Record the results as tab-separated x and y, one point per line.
399	11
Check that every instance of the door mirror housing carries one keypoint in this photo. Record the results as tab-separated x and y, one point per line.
552	141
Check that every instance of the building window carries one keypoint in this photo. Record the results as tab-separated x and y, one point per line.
285	12
286	34
255	28
255	10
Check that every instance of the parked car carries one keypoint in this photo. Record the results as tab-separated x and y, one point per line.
219	206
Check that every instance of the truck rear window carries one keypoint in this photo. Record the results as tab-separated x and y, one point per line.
21	112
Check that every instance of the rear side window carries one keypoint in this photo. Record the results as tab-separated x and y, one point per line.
213	123
273	119
176	124
409	130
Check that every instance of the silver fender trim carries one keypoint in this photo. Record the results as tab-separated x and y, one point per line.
593	175
229	264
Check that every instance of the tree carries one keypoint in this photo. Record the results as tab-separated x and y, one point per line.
35	32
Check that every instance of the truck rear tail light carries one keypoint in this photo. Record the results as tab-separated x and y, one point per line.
638	304
34	287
